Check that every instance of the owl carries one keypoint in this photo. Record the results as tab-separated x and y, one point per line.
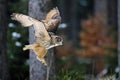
44	34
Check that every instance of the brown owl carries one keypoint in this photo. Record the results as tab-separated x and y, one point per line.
44	38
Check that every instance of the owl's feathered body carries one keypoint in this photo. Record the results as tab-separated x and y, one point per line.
44	40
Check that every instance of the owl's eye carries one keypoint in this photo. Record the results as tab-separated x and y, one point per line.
58	39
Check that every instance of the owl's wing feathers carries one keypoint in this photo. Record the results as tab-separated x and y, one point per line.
53	14
40	30
52	19
23	19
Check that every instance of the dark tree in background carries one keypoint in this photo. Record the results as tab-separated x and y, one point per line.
112	12
106	10
72	11
68	12
4	75
38	71
119	36
100	9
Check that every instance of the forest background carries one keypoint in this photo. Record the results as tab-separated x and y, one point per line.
90	29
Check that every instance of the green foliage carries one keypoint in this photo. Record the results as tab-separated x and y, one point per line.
16	57
18	6
111	59
68	68
109	77
64	74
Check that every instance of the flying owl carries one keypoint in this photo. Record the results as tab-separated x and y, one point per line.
45	38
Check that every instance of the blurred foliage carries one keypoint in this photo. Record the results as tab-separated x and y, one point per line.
68	66
69	75
95	38
97	51
17	37
64	50
109	77
99	44
19	6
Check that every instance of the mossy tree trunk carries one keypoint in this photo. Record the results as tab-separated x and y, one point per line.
3	30
38	71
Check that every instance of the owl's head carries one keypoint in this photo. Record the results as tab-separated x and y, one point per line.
57	40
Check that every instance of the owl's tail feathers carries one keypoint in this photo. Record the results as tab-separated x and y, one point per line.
41	55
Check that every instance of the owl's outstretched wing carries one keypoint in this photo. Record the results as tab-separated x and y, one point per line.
23	19
39	27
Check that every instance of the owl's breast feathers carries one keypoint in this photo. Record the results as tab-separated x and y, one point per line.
43	43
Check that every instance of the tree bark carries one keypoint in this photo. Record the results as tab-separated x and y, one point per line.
3	26
38	71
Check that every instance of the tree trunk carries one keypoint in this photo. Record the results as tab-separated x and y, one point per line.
3	26
38	71
119	36
112	12
100	9
68	12
101	13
